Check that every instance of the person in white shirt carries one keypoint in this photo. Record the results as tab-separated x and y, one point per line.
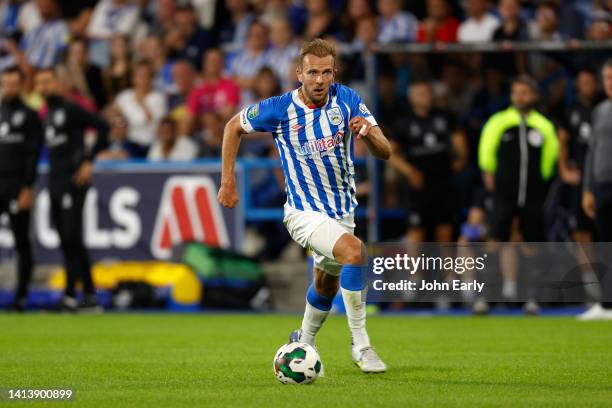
170	147
143	108
395	25
110	18
480	24
283	51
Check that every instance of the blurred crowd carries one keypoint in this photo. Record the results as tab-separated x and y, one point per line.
168	74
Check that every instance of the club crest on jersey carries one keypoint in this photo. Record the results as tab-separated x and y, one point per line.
334	115
18	118
59	118
321	147
253	111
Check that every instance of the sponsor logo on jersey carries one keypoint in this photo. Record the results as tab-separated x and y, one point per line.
253	111
188	211
321	147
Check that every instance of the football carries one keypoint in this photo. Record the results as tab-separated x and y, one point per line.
297	363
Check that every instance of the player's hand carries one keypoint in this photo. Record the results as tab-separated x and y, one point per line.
416	180
24	200
84	174
228	195
588	204
360	126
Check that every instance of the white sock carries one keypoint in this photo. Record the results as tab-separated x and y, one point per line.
509	290
312	322
356	315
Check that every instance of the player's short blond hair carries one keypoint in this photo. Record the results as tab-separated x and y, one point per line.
318	47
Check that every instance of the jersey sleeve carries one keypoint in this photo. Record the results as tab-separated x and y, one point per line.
358	108
489	142
260	117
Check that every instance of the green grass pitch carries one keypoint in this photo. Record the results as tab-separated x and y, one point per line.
163	360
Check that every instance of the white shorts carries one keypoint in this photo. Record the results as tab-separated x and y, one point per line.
318	232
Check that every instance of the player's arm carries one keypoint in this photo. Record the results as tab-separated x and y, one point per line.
460	150
84	174
568	173
34	141
228	193
374	138
405	168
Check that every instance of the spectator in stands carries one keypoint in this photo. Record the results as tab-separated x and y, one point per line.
249	61
233	34
321	21
546	24
85	78
184	81
162	21
356	10
117	136
110	18
395	25
354	58
480	23
283	52
440	25
9	21
44	44
211	137
143	108
600	29
29	16
77	14
185	39
168	146
428	148
511	29
453	92
153	50
216	93
118	75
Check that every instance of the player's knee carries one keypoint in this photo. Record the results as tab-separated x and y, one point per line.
354	253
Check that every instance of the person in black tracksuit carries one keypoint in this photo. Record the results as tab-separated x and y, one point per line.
69	179
429	148
20	141
575	136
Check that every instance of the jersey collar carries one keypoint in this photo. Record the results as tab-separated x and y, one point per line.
295	95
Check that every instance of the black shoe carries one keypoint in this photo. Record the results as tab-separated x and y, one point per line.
18	305
67	304
90	305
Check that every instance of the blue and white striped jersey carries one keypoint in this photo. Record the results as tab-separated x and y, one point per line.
315	147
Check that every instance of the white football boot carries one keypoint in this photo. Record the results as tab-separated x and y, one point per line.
368	360
595	312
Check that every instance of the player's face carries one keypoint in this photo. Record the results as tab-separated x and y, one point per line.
607	81
11	85
523	97
316	76
45	84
